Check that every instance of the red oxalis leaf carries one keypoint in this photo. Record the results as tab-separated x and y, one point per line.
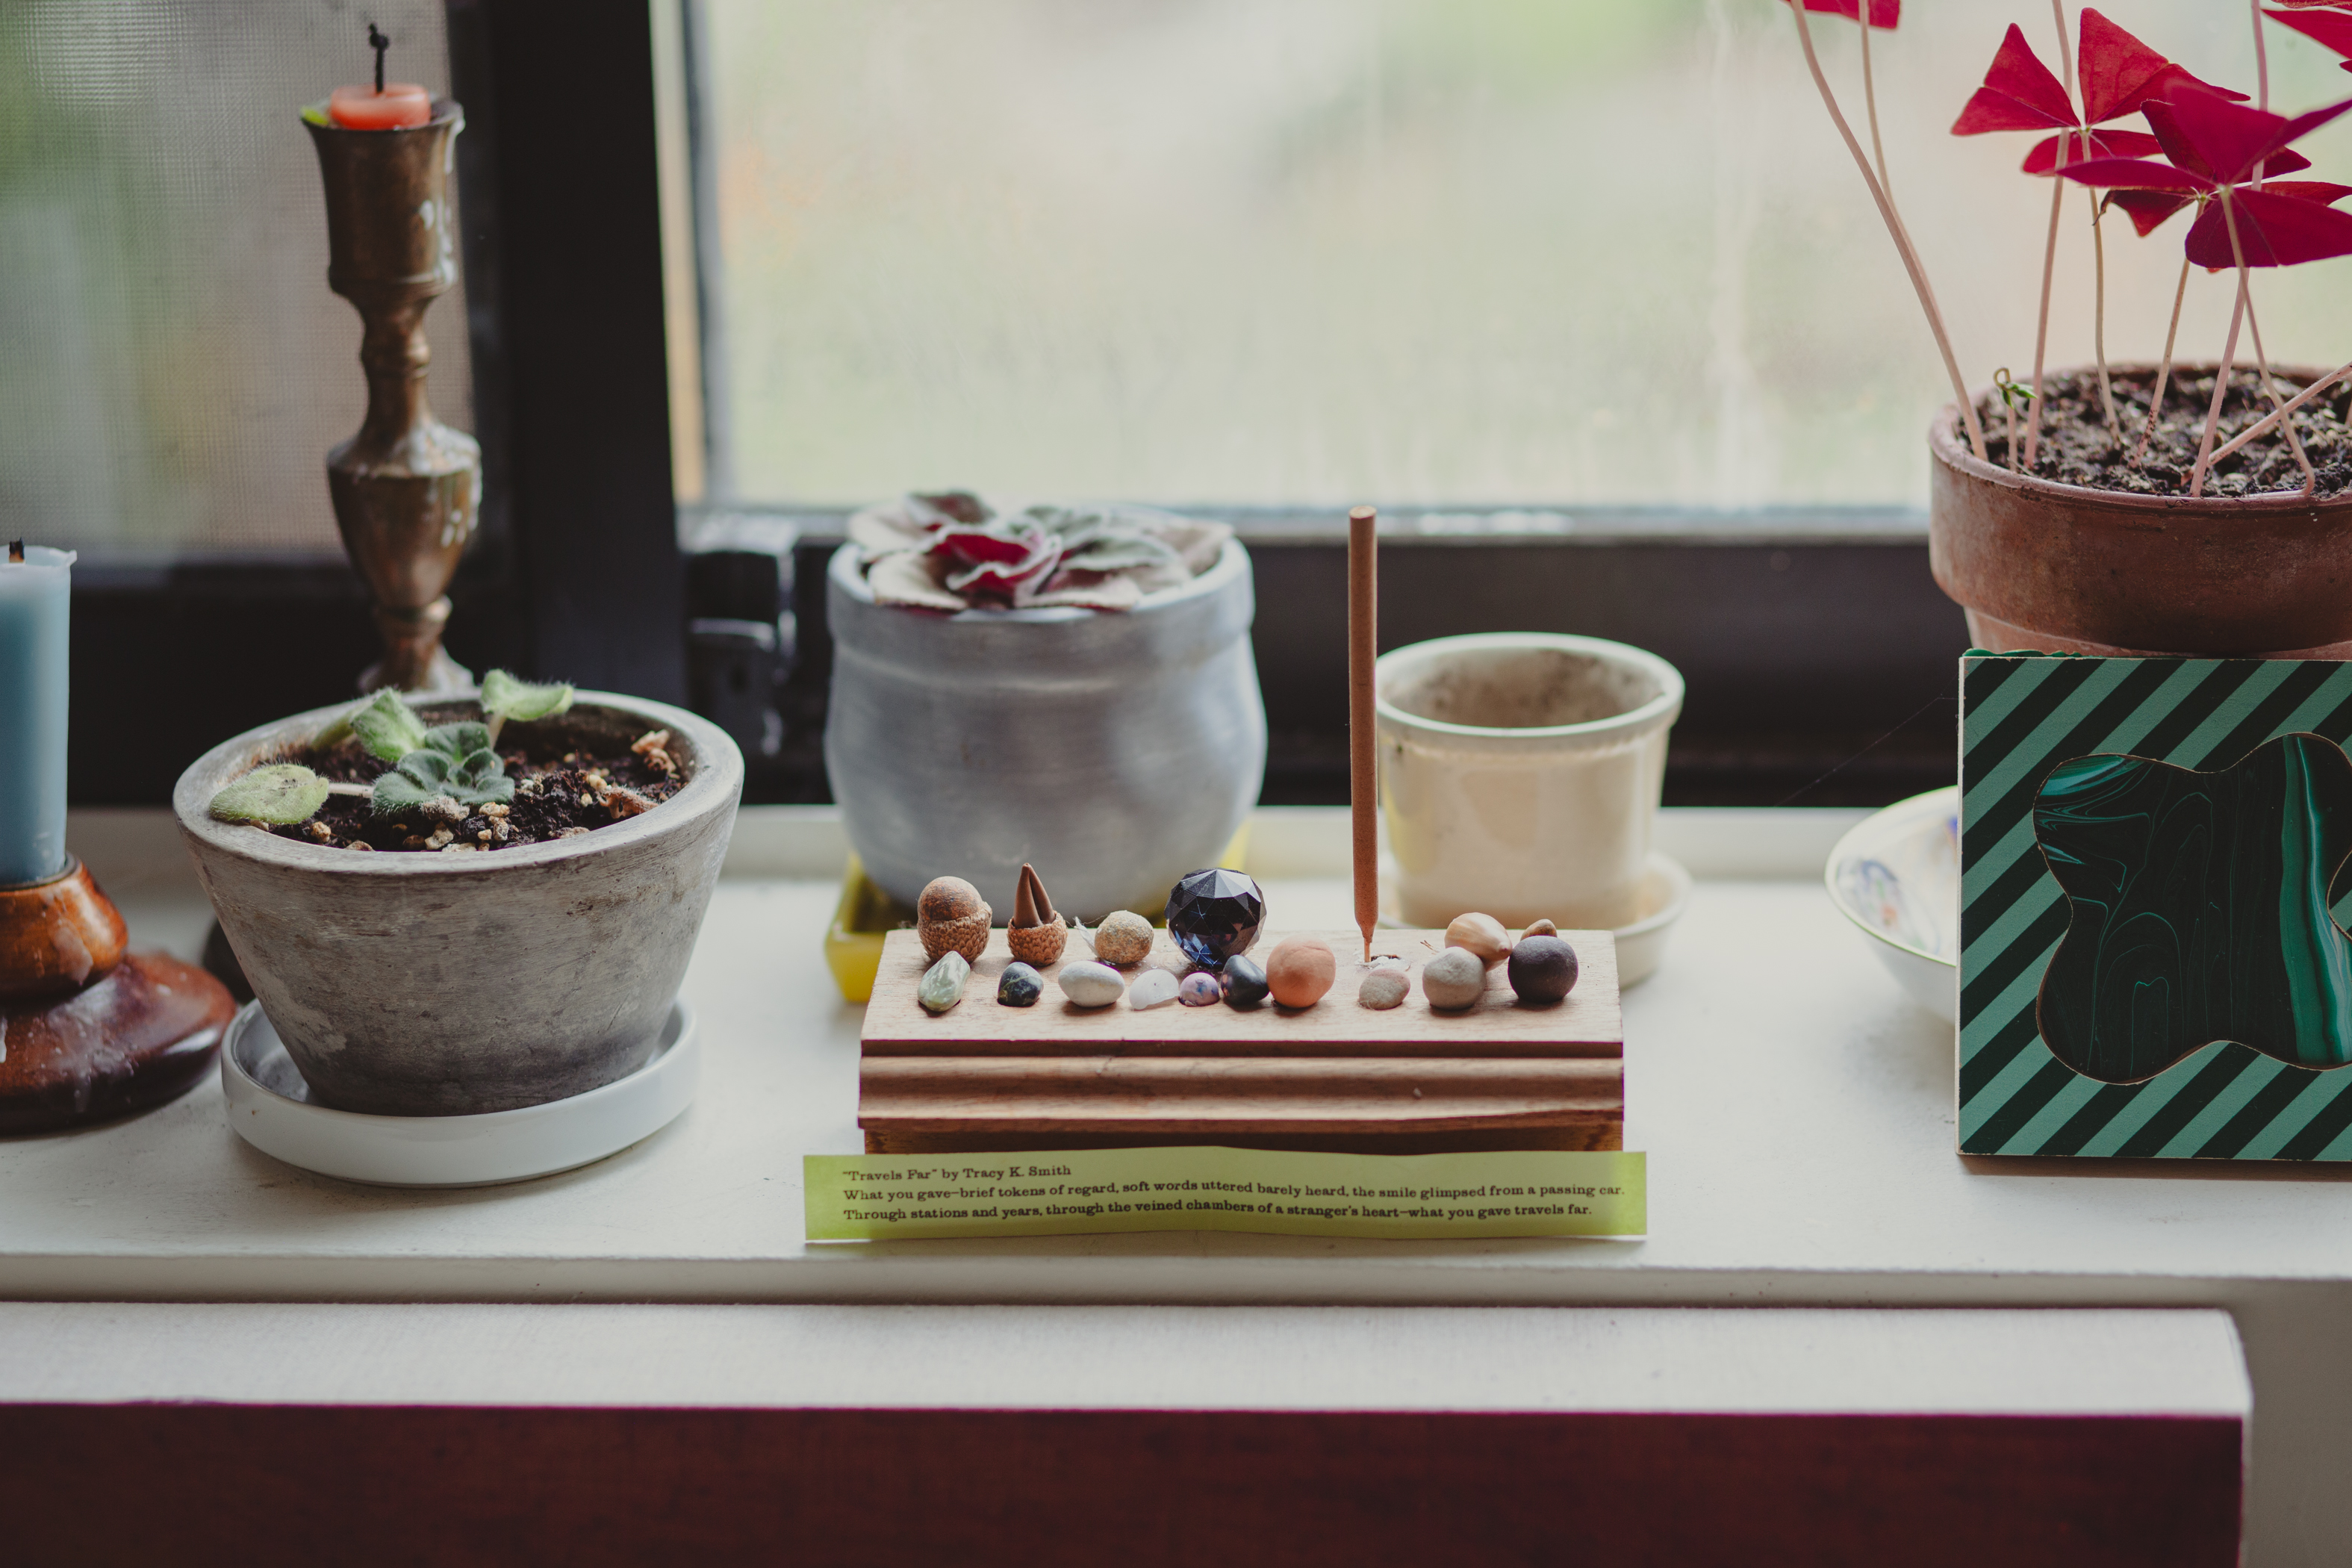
2043	159
1885	13
2330	28
2274	229
2147	209
2118	73
2213	136
2019	94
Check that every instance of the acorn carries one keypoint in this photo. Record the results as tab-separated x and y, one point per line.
1036	934
950	917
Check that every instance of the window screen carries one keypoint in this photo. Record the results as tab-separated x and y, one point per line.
173	369
1595	252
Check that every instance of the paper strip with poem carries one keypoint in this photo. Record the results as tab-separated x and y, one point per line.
884	1197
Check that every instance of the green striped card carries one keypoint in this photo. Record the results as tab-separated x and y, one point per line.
2025	718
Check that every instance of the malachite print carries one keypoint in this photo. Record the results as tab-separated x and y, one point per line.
2154	886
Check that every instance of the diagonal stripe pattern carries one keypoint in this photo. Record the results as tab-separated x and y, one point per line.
2021	715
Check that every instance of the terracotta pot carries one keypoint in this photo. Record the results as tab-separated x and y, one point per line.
424	984
2064	569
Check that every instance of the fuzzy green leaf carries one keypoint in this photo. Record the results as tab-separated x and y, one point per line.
475	778
280	794
398	792
387	727
457	742
507	698
480	779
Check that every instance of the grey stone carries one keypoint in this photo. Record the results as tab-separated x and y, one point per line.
1454	979
1091	984
1384	987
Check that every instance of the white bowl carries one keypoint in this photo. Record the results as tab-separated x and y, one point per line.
1897	875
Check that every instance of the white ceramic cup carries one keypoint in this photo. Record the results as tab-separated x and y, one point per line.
1520	773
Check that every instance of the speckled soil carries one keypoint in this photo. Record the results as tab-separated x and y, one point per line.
559	794
2078	447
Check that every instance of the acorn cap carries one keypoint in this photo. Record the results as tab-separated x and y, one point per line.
1032	905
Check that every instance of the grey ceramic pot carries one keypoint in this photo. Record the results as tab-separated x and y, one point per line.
1114	751
430	984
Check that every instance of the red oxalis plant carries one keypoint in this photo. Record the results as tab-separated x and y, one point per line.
2205	147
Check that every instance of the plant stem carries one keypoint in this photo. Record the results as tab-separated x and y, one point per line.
1902	240
361	790
2262	364
2261	359
2042	332
2163	371
2099	320
2065	49
2262	60
1869	101
2269	421
495	722
2220	382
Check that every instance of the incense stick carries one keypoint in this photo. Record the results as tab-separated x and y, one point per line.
1363	643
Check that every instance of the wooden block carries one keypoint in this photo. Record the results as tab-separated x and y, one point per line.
1337	1076
1589	1024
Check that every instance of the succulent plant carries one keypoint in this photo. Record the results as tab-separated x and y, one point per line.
457	762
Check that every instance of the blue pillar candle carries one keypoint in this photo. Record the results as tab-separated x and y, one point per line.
36	596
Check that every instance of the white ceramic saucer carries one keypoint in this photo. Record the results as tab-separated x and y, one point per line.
270	1106
1664	892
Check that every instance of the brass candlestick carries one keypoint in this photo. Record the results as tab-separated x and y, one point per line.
407	488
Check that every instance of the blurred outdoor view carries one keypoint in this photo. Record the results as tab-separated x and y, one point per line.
172	368
1565	251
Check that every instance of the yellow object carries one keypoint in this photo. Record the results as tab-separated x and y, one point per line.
884	1197
865	914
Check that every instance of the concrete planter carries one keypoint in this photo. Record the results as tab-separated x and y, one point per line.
2065	569
426	985
1115	751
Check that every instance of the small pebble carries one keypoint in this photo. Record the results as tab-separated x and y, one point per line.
1020	986
1384	987
1124	937
1543	969
1299	969
942	986
1454	979
1092	984
1242	983
1199	989
1482	936
1152	988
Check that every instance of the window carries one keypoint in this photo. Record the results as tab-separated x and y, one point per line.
1547	252
173	369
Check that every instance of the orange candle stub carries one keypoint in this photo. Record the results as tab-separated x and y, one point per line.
362	107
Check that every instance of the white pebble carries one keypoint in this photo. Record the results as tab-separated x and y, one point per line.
1453	979
1152	988
1384	987
1091	984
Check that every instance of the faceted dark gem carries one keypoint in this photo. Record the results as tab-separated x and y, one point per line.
1245	981
1021	987
1214	914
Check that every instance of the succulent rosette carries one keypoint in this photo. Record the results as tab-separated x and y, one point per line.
953	552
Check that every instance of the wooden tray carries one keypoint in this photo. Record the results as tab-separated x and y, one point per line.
1337	1076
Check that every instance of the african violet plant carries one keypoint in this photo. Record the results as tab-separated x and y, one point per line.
444	770
2205	148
